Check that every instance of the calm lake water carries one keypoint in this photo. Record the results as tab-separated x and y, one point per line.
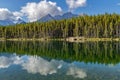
59	61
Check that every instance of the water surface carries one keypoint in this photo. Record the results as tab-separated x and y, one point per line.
59	61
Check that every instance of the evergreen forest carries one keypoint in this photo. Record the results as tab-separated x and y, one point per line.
94	26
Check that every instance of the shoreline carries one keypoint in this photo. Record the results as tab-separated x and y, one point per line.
69	39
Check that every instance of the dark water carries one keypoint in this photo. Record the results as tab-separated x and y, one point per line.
59	61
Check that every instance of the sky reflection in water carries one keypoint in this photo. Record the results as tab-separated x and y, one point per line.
34	64
59	61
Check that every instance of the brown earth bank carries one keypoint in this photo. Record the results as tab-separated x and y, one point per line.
69	39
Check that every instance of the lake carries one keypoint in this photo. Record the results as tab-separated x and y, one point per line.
57	60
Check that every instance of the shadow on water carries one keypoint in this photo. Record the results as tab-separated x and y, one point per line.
88	52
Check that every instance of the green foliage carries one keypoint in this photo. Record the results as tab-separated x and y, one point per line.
97	26
94	52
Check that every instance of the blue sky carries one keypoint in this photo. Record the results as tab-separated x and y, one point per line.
92	7
89	7
15	5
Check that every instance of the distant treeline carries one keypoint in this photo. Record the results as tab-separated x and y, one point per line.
97	26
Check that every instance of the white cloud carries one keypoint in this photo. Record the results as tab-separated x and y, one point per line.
76	72
5	62
34	11
34	64
31	64
17	14
7	14
40	65
73	4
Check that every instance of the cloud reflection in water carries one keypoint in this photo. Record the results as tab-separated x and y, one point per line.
34	64
40	65
76	72
5	62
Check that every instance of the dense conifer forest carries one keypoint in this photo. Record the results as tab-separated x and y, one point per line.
96	26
